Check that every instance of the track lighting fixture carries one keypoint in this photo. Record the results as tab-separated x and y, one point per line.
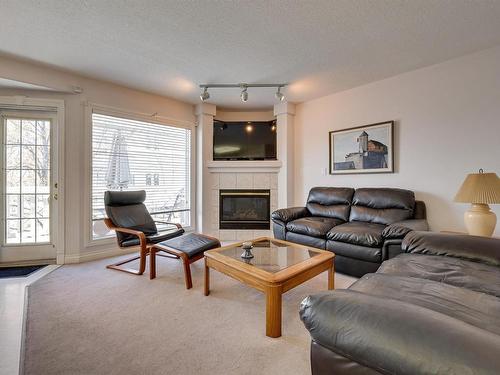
204	94
244	94
279	95
244	89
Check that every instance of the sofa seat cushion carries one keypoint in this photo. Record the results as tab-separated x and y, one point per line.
475	276
358	233
397	337
315	226
478	309
356	252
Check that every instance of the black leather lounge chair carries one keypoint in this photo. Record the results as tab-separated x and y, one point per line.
134	226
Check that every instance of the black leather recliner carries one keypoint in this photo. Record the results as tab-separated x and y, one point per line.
362	227
435	309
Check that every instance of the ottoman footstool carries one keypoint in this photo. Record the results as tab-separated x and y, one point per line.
189	248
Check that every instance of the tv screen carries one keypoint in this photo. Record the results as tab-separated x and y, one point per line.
245	140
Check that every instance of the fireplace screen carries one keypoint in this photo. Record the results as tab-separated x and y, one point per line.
244	209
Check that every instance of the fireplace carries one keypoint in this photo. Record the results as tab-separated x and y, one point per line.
244	209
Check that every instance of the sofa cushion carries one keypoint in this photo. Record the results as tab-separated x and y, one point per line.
382	205
330	202
475	276
358	233
357	252
397	337
313	226
302	239
478	309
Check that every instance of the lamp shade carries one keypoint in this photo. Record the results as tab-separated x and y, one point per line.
481	188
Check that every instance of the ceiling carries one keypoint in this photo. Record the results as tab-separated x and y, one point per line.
318	46
10	84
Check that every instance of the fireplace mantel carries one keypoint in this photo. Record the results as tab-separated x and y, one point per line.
247	166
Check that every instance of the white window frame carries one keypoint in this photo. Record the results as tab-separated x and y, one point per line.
55	106
91	108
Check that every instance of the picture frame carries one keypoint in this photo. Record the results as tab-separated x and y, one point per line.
362	149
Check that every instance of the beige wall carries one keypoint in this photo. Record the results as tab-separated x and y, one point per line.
97	92
227	115
448	125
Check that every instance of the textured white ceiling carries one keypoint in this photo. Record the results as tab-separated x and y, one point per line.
320	46
10	84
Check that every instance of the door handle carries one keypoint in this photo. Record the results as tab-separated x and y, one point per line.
55	196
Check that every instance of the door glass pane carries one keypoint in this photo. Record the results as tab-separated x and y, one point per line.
13	130
13	206
27	181
13	231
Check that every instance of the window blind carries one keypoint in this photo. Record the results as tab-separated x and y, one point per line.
135	155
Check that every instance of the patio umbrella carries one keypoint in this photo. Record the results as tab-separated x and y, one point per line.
118	175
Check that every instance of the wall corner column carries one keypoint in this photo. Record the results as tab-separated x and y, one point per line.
285	116
205	114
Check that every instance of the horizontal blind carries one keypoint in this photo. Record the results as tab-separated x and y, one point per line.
136	155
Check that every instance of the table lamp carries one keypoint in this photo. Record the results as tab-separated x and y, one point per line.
480	189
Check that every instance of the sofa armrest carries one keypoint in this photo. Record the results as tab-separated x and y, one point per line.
395	337
285	215
472	248
401	228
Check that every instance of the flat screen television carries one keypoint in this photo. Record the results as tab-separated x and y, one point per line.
254	140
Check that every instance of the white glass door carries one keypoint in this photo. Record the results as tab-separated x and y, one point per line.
28	185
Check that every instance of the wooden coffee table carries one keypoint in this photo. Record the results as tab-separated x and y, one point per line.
277	267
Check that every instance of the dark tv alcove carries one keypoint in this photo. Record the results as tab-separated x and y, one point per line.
255	140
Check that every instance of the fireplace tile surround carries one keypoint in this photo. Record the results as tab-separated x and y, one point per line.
240	180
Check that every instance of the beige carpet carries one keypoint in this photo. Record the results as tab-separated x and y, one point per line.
86	319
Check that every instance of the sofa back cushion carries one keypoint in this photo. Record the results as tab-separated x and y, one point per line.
382	205
331	202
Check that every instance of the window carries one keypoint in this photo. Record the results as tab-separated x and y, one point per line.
27	180
136	155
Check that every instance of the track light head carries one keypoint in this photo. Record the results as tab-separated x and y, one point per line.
244	94
204	94
279	95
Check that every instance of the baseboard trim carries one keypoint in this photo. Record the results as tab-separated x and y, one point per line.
22	263
96	255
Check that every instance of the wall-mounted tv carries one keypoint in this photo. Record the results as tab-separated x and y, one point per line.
255	140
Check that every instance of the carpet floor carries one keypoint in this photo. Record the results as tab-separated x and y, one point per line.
86	319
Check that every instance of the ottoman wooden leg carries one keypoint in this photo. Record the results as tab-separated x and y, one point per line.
187	271
152	263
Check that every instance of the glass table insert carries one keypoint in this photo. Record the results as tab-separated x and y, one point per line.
271	256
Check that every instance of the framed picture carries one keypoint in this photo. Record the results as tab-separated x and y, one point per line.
364	149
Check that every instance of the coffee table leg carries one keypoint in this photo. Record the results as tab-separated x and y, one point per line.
207	278
331	277
273	311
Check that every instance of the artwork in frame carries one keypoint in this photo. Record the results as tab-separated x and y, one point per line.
363	149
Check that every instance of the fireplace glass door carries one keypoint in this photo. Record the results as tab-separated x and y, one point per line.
244	209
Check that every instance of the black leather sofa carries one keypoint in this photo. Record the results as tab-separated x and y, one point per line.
362	227
433	310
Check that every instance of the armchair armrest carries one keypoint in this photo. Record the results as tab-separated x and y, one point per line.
285	215
138	233
394	337
169	223
401	228
473	248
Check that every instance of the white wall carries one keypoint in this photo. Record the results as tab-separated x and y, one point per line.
448	125
98	92
228	115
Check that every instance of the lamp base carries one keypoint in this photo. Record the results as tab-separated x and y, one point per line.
480	220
